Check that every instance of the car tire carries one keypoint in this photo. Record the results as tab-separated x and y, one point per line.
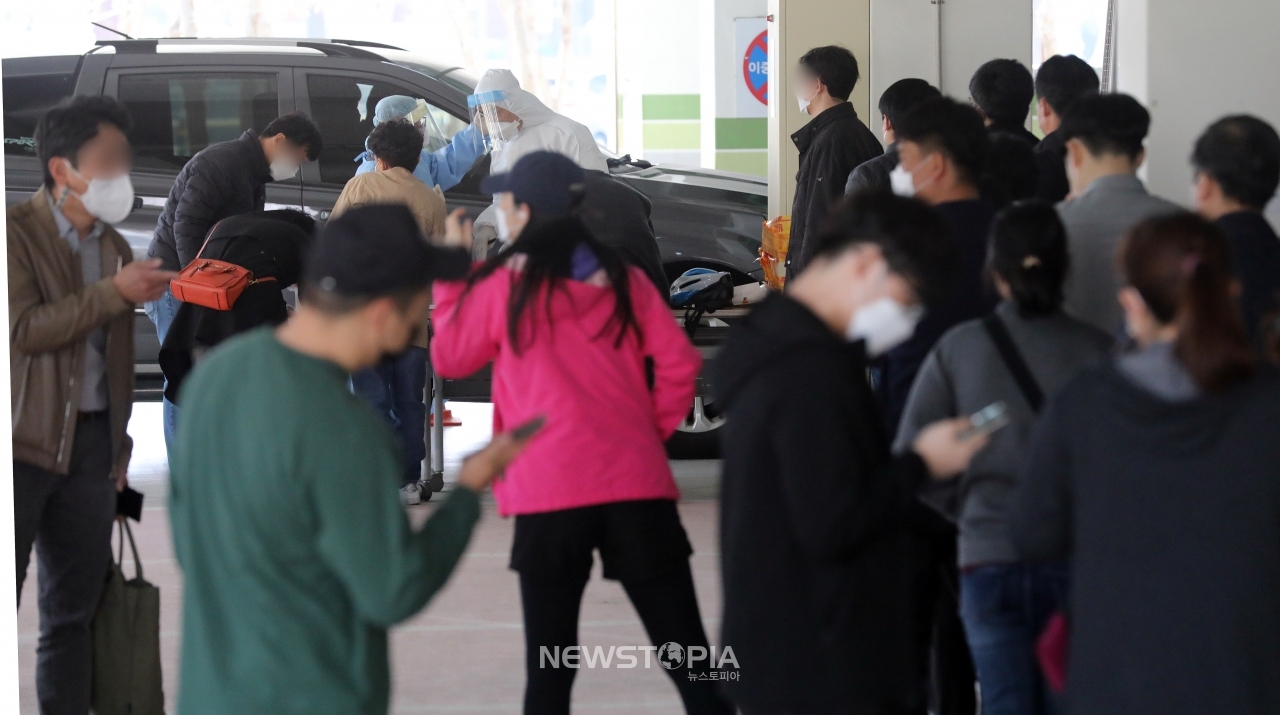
698	436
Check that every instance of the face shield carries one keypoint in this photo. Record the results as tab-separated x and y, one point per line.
492	115
420	117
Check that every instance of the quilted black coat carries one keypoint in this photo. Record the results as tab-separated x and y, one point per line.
221	180
831	145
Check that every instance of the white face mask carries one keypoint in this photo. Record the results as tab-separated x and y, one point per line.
902	182
283	169
108	200
804	103
504	229
884	325
507	131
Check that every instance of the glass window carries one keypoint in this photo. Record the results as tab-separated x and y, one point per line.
343	109
26	98
177	115
1069	27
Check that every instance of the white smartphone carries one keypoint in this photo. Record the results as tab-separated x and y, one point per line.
987	420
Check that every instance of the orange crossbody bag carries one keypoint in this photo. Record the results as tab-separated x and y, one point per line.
212	283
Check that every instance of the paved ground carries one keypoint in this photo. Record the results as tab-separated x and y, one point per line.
464	653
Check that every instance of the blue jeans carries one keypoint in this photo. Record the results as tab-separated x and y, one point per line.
395	389
161	312
1004	608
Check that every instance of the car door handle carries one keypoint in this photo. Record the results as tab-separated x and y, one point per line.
137	202
323	216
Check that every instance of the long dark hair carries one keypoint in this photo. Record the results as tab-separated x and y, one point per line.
549	245
1028	250
1181	267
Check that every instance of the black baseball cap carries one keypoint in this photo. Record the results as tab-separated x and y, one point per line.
550	183
378	250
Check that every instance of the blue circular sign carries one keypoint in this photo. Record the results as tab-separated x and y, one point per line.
755	67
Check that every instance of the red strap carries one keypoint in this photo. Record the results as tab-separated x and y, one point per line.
208	236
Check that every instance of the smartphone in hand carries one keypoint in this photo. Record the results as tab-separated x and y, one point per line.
986	421
129	503
528	429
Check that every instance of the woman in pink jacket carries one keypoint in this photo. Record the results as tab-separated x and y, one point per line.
581	338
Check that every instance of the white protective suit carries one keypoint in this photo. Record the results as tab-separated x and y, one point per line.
540	130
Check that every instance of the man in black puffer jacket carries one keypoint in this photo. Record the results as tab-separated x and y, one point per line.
221	180
831	145
227	179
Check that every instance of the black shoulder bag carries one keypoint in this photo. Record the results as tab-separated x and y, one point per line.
1013	361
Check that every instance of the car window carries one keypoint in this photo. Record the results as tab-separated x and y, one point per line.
26	98
342	106
177	115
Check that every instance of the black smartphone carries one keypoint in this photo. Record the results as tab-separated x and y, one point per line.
528	429
129	503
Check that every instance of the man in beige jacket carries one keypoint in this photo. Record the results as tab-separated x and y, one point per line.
395	386
396	146
72	290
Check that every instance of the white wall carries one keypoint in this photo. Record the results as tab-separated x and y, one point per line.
904	43
943	44
1191	62
974	31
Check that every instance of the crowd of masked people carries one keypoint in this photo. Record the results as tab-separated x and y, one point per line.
1113	547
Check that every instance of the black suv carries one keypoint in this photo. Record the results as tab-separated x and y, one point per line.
185	94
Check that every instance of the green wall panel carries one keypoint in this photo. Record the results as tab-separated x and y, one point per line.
672	135
672	106
742	133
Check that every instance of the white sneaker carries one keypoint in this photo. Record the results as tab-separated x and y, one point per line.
411	494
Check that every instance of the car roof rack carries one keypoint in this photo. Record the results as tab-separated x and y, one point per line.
366	43
334	48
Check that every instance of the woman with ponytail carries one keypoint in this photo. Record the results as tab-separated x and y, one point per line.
581	339
1017	356
1157	476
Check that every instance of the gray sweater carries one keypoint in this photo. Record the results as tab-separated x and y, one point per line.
963	374
1096	221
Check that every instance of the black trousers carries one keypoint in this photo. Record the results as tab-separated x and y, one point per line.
642	545
68	519
949	669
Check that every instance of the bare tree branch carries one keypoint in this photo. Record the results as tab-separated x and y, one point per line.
257	23
460	15
186	25
522	34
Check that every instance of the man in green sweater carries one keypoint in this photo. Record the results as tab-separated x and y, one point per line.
296	552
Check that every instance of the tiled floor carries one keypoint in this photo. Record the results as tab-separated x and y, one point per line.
464	653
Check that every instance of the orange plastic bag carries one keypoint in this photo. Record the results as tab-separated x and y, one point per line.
774	239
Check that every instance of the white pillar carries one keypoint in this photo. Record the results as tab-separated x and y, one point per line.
1192	62
708	51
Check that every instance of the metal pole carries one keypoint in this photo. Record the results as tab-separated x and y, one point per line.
436	451
428	388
